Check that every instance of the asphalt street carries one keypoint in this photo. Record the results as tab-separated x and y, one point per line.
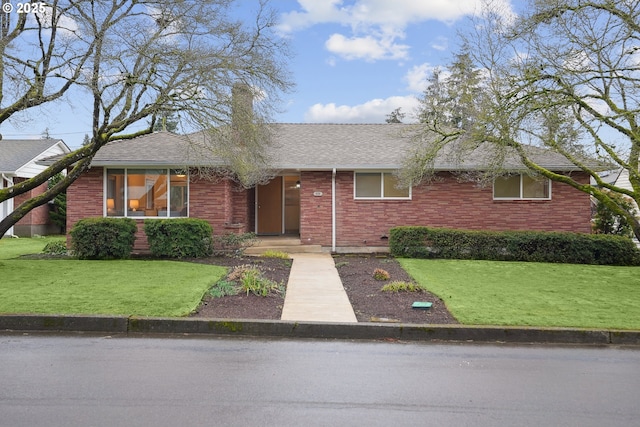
104	381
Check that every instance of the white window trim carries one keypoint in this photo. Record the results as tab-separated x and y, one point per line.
382	197
126	191
521	191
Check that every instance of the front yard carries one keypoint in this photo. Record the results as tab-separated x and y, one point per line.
120	287
533	294
475	292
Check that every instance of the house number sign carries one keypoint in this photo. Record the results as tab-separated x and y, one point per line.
317	193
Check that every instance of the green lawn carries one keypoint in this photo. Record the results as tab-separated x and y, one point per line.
121	287
533	294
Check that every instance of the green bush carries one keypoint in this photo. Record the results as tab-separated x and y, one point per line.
575	248
103	238
400	286
55	248
179	237
608	222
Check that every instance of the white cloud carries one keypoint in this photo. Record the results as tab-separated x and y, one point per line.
416	77
368	48
377	24
441	43
374	111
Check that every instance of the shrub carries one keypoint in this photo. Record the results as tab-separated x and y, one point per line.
179	237
380	274
398	286
275	254
55	248
423	242
103	238
232	244
608	222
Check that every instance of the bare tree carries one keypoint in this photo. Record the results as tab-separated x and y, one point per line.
564	76
132	61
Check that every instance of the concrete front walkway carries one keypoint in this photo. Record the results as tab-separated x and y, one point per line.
315	291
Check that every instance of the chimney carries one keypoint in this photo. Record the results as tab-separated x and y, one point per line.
241	105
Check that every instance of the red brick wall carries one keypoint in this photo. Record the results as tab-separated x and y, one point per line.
444	203
37	216
315	211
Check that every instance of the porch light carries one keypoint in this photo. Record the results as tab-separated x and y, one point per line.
297	184
133	204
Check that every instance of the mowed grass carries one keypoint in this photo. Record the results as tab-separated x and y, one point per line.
533	294
119	287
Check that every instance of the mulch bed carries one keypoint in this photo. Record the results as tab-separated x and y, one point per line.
356	272
243	306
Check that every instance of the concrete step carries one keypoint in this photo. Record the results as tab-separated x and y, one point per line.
290	249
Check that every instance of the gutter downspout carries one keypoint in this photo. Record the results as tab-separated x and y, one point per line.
333	211
7	205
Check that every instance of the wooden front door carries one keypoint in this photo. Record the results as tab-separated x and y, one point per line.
270	207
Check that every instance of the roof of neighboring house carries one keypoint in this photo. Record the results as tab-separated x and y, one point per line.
16	154
310	146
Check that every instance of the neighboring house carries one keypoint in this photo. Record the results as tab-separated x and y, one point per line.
18	162
334	187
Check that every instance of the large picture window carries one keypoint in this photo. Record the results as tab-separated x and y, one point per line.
146	193
379	185
521	187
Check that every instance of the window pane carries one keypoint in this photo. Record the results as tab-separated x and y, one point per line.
535	187
390	187
368	185
115	192
147	192
178	193
507	187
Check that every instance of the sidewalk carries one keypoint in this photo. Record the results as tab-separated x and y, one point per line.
315	292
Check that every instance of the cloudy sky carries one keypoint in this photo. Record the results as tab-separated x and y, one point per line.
355	60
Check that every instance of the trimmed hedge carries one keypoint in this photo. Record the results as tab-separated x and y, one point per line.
179	238
534	246
103	238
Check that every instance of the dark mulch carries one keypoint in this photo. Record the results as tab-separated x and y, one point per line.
371	304
243	306
356	272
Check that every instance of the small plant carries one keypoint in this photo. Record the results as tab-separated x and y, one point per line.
236	273
223	288
55	248
232	244
399	286
250	279
341	264
380	274
253	281
275	254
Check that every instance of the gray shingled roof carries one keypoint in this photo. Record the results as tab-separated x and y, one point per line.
305	147
16	153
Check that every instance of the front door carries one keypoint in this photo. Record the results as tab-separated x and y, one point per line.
270	207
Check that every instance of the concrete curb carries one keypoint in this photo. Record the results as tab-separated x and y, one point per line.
137	326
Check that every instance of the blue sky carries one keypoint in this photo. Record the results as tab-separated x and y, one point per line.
354	61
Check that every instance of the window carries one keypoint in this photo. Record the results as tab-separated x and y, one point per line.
379	185
146	193
516	187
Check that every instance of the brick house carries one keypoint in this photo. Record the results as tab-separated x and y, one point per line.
334	186
19	160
